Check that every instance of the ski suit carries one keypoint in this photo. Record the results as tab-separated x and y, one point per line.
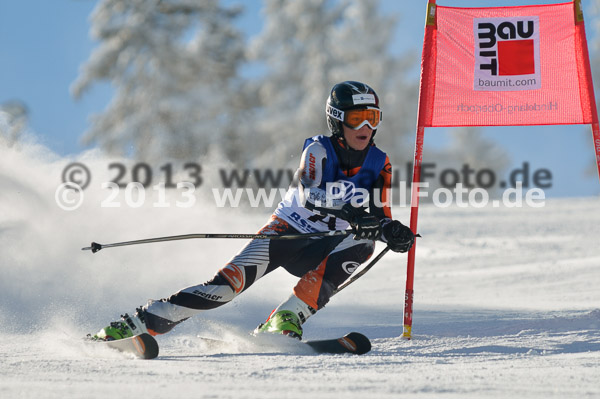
322	263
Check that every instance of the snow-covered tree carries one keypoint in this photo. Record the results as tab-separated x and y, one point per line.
362	43
307	47
471	154
13	122
173	65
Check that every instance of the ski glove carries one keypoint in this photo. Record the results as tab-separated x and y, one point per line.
399	237
364	225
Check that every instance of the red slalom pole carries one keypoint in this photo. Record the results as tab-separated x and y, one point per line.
414	214
596	137
587	73
426	93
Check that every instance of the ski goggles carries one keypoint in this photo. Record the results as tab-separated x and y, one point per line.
357	118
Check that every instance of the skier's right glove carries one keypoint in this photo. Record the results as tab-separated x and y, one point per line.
399	237
364	225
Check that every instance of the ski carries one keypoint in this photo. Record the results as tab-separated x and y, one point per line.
352	343
143	346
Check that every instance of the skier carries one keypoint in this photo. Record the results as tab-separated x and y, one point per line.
334	171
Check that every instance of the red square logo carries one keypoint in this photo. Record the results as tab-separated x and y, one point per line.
516	57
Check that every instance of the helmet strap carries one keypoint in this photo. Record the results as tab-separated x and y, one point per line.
341	141
340	132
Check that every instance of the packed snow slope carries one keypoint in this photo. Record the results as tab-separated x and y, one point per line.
507	302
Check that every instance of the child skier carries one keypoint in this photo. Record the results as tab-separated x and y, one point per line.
346	164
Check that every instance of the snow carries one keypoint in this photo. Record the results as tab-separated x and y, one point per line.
506	302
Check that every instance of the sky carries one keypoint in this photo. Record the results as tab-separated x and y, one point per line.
45	42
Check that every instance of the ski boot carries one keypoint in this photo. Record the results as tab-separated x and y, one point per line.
282	322
127	327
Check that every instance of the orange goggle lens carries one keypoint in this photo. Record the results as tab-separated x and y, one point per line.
356	118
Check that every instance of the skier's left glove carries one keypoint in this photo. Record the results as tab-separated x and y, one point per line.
364	225
399	237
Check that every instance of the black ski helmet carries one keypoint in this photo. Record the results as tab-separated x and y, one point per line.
345	96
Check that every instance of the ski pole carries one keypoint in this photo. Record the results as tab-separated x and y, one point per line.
95	247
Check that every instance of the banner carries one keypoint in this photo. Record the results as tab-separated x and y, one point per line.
500	66
525	65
